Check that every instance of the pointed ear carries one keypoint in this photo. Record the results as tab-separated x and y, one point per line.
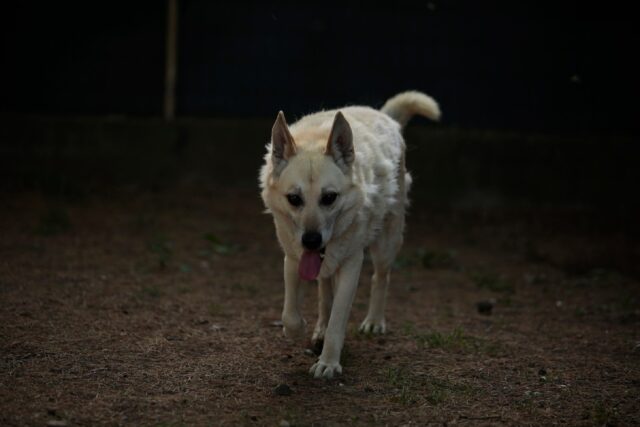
340	145
282	145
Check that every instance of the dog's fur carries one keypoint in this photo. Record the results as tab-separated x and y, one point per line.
339	175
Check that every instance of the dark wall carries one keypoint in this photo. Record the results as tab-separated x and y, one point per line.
82	57
520	65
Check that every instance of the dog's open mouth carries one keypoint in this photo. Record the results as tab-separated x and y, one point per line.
310	263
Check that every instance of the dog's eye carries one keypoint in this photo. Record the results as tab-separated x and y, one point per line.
294	200
327	199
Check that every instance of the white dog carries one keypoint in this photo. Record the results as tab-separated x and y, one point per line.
336	183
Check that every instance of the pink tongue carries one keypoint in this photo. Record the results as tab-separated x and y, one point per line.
309	266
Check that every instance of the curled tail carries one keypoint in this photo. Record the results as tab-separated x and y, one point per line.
407	104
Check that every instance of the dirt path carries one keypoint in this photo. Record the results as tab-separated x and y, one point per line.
160	310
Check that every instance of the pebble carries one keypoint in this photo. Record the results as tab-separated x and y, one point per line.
485	307
283	390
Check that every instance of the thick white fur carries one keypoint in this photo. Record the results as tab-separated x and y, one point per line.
372	186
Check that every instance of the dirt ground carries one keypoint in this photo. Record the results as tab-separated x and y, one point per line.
162	309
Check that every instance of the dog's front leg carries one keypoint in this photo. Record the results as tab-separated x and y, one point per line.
292	321
346	280
325	298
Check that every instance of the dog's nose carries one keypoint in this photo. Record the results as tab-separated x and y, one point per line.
312	240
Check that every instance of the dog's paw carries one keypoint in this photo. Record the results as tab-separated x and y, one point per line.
293	326
376	327
325	370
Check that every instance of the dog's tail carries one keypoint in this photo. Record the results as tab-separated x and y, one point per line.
407	104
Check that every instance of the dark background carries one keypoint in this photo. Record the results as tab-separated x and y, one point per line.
539	99
527	65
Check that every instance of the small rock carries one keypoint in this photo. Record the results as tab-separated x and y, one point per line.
283	390
216	327
485	307
276	323
309	352
284	423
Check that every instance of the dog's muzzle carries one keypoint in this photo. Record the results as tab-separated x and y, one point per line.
312	240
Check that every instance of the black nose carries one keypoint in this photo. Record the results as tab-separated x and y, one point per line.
312	240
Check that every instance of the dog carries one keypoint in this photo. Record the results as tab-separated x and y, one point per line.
336	183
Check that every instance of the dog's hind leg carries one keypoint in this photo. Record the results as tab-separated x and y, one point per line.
383	252
325	298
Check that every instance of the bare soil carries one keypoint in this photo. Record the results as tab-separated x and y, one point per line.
162	309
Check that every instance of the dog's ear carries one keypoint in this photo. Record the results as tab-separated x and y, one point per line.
282	145
340	145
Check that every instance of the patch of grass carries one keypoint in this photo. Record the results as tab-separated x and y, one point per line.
455	340
433	259
183	289
218	246
505	301
428	258
410	388
248	288
216	310
151	291
580	312
54	221
162	248
492	282
439	390
403	261
402	382
624	309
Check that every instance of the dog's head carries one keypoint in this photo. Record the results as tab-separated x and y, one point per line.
310	185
